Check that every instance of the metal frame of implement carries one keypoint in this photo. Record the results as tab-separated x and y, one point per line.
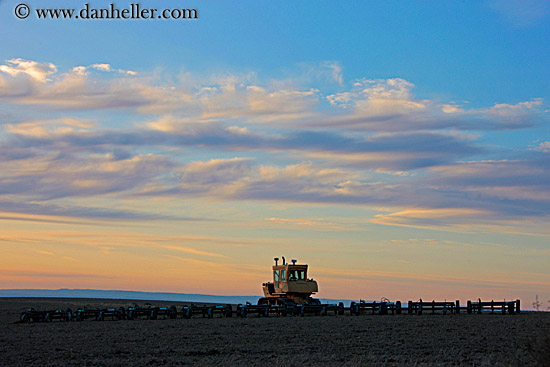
31	315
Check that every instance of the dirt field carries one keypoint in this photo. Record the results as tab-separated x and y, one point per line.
392	340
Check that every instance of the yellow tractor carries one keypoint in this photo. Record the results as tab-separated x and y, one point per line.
290	286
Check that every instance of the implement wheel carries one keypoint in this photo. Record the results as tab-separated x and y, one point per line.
173	312
25	317
241	312
228	311
284	312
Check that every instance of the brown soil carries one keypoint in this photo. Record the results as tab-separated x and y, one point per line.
392	340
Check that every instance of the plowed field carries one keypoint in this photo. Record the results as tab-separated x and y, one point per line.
370	340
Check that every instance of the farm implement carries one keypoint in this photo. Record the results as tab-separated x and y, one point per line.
85	313
506	306
290	309
289	294
420	306
207	311
131	313
32	315
381	308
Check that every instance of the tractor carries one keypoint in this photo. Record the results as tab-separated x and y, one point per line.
290	286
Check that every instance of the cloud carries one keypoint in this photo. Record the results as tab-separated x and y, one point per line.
497	280
122	241
53	274
44	252
244	179
216	178
543	147
102	67
88	172
80	70
326	73
395	152
390	105
29	82
84	70
317	224
49	128
366	105
53	176
376	96
128	72
236	138
336	71
280	103
390	151
237	179
38	219
191	250
518	187
46	212
429	217
32	69
510	116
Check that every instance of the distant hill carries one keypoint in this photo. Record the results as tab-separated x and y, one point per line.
153	296
114	294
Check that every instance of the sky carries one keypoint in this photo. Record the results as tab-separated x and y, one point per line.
400	148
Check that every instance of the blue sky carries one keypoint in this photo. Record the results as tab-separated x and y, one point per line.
483	51
386	143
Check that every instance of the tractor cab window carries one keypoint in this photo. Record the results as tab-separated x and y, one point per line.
296	275
292	275
276	275
283	275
